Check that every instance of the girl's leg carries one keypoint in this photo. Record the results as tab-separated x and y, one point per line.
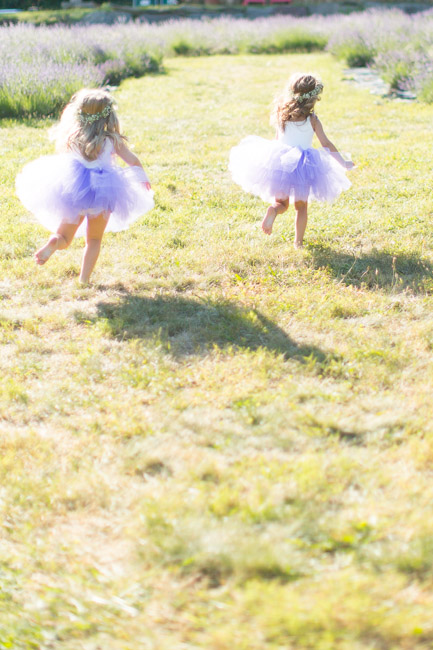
60	240
301	208
278	207
95	230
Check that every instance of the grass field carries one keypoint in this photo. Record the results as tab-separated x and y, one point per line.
224	443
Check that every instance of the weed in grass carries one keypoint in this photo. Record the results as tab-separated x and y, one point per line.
417	559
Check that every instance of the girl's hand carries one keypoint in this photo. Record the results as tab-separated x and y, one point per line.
147	185
349	164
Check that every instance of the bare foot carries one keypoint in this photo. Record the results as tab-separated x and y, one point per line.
44	253
269	219
298	244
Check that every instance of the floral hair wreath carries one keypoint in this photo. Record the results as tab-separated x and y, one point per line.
89	118
316	91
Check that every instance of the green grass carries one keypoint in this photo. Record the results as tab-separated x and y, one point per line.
47	16
355	53
224	443
71	16
75	15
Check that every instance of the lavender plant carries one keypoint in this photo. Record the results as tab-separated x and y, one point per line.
31	89
397	45
41	67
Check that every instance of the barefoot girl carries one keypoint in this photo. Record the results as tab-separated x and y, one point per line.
288	167
83	182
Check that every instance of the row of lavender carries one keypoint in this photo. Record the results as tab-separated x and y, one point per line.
398	46
41	67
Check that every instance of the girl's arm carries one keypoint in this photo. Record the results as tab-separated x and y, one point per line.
326	142
131	159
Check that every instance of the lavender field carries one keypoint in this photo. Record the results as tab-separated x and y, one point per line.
42	66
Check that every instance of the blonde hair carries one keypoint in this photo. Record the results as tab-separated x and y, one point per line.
86	122
297	101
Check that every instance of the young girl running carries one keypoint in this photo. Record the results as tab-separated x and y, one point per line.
288	167
82	181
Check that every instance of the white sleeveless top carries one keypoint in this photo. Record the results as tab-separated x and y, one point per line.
298	134
104	159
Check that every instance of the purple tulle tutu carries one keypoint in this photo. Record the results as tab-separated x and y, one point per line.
273	170
63	187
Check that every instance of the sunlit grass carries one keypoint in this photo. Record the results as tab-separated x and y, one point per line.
224	442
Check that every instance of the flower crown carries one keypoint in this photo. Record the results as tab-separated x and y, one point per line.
316	91
89	118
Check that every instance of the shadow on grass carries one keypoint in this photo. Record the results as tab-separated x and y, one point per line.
376	270
186	326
